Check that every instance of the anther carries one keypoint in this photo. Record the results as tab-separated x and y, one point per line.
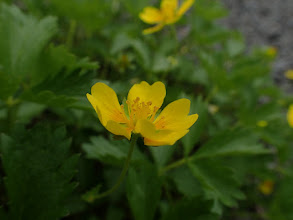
136	100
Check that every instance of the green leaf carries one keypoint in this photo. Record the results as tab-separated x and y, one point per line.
282	202
122	41
235	46
162	154
110	152
218	182
64	77
3	215
231	142
191	209
64	73
49	98
135	7
160	63
22	39
186	183
91	14
192	138
39	170
143	191
210	9
7	85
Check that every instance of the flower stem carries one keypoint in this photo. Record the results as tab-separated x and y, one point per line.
91	198
70	35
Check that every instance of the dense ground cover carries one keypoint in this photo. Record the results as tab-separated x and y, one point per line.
57	158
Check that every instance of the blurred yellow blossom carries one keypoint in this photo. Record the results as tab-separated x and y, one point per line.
169	13
271	51
289	74
266	187
262	123
290	115
138	114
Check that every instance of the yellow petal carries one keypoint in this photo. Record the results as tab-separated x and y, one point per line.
169	10
153	29
151	15
175	116
184	7
154	137
290	115
169	5
104	100
93	101
154	93
118	129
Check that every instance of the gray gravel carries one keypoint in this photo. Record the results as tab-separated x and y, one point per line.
266	23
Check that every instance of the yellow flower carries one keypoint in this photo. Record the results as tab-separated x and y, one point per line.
168	13
266	187
271	52
289	74
139	113
262	123
290	115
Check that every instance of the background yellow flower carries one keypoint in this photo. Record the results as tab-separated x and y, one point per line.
168	13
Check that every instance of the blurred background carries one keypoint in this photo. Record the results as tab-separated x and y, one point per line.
265	22
232	59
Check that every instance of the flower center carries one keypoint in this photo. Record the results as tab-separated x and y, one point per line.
138	109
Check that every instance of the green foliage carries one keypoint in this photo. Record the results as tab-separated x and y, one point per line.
38	172
191	139
231	143
110	152
22	40
143	192
218	182
50	76
281	205
186	183
190	209
52	52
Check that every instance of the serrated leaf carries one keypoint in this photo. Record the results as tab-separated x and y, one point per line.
143	191
218	182
64	73
186	183
231	142
22	39
110	152
39	170
49	98
90	195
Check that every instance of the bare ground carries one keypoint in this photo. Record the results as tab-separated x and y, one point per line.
266	23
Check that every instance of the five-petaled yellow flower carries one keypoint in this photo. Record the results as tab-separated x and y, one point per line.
168	13
139	114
